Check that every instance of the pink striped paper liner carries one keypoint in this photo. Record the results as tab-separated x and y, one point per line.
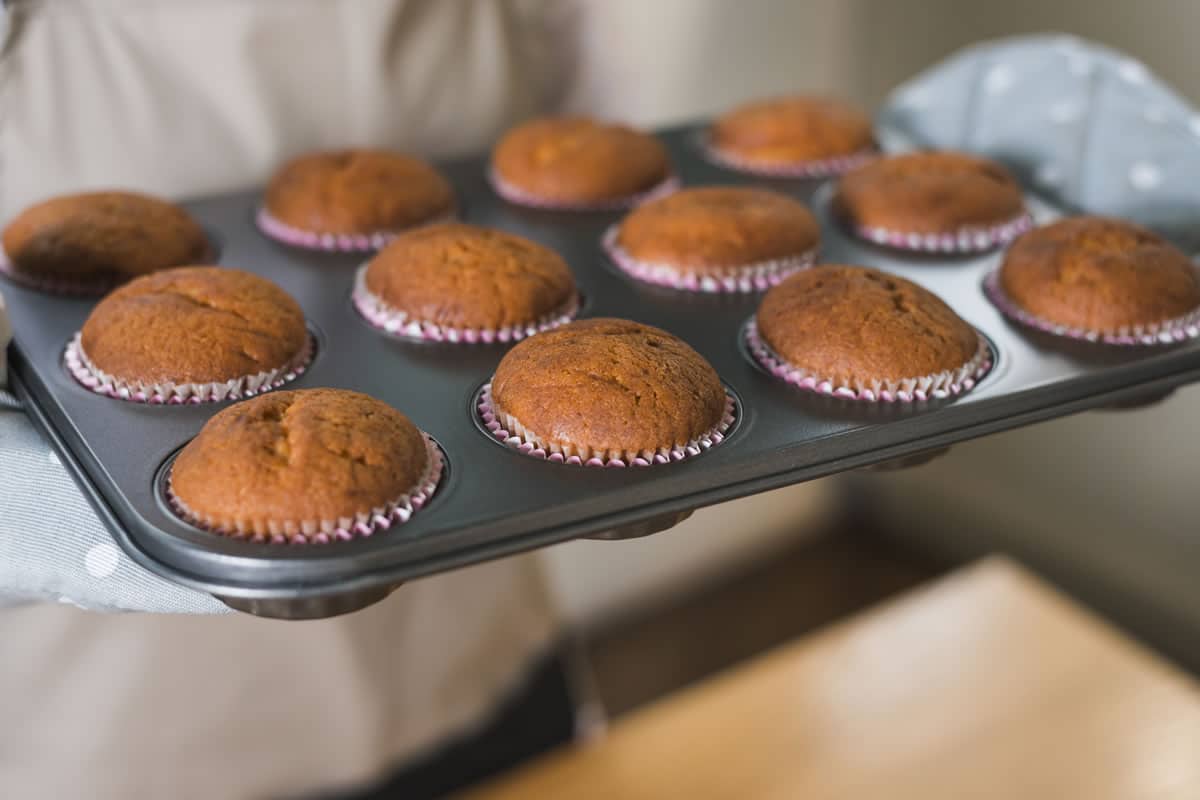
816	168
391	320
1170	331
170	393
361	525
335	242
756	277
965	240
518	196
939	386
506	429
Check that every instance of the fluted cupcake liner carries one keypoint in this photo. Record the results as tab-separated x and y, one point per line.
939	386
505	428
515	194
1170	331
361	525
335	242
815	168
378	313
756	277
965	240
62	286
170	393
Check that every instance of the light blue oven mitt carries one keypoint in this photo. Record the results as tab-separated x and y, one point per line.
1087	127
52	546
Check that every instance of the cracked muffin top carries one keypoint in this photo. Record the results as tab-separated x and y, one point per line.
928	192
298	456
1099	274
579	160
793	130
609	384
855	325
470	277
102	237
194	325
709	229
357	192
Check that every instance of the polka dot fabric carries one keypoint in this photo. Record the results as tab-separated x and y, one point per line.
52	546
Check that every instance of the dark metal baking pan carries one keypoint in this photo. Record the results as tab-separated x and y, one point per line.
494	501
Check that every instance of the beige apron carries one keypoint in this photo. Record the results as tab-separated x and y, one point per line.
183	98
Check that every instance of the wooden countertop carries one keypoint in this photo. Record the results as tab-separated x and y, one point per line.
986	684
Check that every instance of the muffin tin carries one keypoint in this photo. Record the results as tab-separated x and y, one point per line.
494	501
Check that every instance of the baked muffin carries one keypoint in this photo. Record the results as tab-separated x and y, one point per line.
314	465
191	334
863	334
1100	279
715	239
797	136
577	162
88	243
463	283
607	392
352	199
936	201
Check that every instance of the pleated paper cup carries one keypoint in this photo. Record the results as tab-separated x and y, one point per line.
507	429
1168	331
734	279
324	531
522	197
290	235
171	393
966	240
375	310
813	168
939	386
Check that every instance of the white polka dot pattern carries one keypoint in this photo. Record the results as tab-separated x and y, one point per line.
999	79
1155	115
1049	174
101	560
1065	111
1145	176
915	99
1132	71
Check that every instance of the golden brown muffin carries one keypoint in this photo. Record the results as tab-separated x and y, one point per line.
709	230
465	276
608	386
855	326
929	193
102	238
362	192
792	130
194	325
288	461
1099	274
576	160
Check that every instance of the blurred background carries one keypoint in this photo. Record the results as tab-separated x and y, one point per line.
1100	502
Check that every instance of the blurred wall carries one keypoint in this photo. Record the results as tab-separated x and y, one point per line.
894	39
